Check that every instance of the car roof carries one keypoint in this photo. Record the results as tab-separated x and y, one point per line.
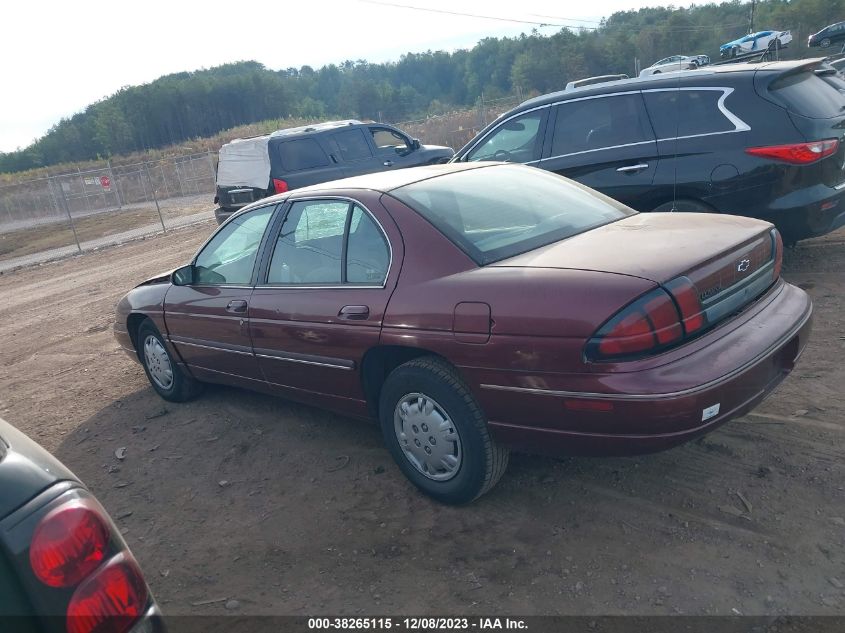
641	83
389	180
314	128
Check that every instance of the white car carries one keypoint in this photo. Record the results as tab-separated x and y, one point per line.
675	62
754	42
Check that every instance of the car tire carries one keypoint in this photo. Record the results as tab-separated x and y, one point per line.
165	375
441	419
825	42
685	205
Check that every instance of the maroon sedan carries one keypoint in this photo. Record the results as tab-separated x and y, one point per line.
476	308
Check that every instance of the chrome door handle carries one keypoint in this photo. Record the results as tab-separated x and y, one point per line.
238	306
632	168
388	163
355	313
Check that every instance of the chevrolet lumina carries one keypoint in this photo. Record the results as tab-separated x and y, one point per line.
476	308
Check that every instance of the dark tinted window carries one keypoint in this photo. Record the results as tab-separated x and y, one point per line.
516	140
301	154
352	144
596	123
686	112
496	212
809	95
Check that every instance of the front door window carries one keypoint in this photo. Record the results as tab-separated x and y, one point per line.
228	259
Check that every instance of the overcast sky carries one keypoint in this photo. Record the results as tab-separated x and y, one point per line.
57	57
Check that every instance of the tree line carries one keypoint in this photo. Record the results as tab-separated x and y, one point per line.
187	105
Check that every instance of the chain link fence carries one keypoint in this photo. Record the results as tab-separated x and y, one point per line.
62	214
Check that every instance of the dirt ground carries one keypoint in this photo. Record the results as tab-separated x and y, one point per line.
290	510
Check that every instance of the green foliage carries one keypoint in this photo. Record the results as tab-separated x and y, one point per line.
200	104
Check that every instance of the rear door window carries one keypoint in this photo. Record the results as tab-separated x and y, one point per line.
352	144
686	112
300	154
808	95
592	124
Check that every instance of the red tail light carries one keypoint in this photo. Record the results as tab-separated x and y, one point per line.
797	153
110	601
280	185
687	299
68	544
778	253
648	324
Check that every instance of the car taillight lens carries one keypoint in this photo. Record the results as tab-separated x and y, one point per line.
280	186
110	601
650	323
778	249
686	296
797	153
68	544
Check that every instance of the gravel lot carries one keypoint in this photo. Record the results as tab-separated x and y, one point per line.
291	510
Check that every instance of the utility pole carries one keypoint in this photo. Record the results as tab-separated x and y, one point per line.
751	24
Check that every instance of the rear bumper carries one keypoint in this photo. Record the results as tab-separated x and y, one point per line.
744	365
221	214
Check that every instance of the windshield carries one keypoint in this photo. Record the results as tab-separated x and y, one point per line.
500	211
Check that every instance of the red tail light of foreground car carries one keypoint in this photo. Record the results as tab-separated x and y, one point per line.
72	548
661	319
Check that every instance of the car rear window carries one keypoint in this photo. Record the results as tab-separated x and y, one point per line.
496	212
676	112
809	95
302	154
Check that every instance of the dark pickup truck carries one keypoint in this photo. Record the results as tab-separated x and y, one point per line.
63	564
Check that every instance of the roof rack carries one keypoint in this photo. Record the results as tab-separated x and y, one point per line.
589	81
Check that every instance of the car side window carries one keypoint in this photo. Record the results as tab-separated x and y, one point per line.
387	140
367	252
593	124
329	242
516	140
304	153
352	144
229	256
686	112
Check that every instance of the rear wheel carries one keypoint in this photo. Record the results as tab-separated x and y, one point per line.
685	205
164	374
437	433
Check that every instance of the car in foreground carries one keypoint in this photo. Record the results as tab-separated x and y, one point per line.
760	41
476	308
763	140
64	566
831	34
253	168
675	63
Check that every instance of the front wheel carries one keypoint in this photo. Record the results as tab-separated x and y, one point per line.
825	42
165	376
437	433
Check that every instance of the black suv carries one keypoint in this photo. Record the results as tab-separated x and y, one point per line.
256	167
763	140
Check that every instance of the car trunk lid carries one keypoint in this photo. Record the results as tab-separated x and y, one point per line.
727	260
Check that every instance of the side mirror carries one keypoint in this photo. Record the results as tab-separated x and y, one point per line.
183	276
415	143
